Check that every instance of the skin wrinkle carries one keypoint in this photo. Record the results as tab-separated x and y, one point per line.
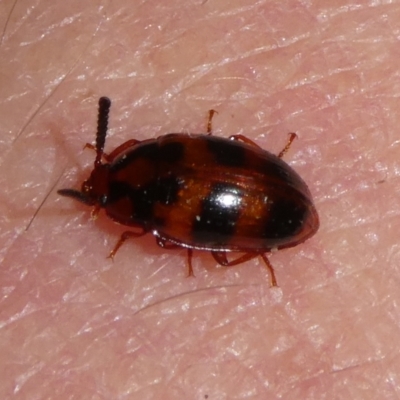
140	327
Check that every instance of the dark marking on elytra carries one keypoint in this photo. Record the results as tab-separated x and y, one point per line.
233	155
168	190
147	151
286	219
216	221
171	152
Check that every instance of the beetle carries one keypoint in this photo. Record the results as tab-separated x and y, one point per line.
200	192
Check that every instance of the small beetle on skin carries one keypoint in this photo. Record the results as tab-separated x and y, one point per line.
200	192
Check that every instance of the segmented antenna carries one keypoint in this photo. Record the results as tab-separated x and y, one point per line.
102	126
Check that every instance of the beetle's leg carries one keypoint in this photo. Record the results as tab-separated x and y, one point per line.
110	157
124	237
270	269
93	147
165	244
245	140
89	146
189	262
249	141
220	258
292	136
209	123
95	212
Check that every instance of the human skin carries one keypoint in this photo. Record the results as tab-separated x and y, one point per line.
74	324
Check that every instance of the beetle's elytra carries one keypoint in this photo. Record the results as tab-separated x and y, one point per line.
200	192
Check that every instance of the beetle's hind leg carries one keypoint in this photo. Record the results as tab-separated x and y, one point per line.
165	244
124	237
220	258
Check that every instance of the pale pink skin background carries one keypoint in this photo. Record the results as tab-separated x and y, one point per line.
74	325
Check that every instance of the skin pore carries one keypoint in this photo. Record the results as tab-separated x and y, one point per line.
74	323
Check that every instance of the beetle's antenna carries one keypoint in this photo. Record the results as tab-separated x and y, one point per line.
102	126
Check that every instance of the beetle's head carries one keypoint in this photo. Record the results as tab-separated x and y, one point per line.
94	191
